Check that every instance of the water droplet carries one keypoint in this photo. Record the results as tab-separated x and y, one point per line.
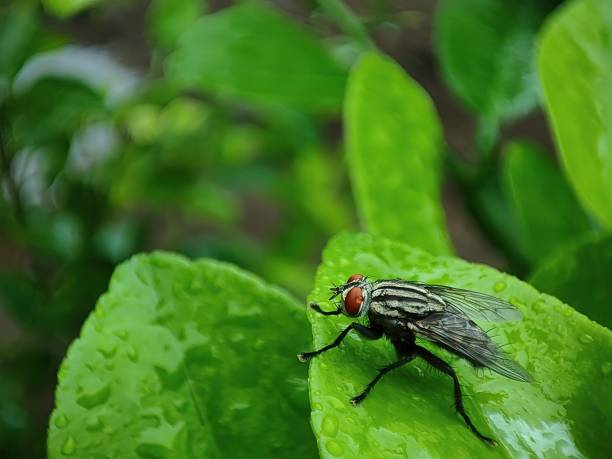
132	354
586	339
539	306
108	351
94	396
121	334
567	312
108	430
61	421
334	448
100	314
606	367
109	365
499	286
337	404
180	404
329	426
69	447
94	424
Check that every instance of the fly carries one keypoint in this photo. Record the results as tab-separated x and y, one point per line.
404	310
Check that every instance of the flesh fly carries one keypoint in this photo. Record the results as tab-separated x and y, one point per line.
404	310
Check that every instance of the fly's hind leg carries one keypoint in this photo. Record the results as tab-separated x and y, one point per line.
405	352
444	367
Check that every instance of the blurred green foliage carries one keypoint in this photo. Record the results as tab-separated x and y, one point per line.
227	144
398	186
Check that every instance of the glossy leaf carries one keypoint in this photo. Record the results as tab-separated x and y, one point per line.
486	54
249	52
575	64
410	414
547	212
184	359
394	144
580	275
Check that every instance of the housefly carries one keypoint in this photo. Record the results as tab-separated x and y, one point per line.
405	310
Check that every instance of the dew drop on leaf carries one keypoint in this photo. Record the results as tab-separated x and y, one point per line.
606	367
93	424
499	286
94	396
121	334
586	339
61	421
69	447
132	354
329	426
539	306
334	448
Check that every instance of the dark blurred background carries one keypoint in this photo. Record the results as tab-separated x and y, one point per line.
104	157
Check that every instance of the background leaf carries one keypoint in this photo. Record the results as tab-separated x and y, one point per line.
561	414
67	8
535	185
575	64
18	32
580	275
188	360
168	19
394	143
249	51
486	54
52	109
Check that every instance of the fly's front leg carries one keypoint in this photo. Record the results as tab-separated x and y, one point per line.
441	365
366	332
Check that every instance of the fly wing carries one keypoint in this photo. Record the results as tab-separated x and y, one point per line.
475	305
463	337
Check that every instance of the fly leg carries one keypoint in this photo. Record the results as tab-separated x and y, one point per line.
366	332
444	367
406	353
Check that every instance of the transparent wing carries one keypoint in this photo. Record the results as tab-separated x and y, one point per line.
466	339
475	305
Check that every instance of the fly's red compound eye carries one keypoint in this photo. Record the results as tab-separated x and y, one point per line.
353	301
355	277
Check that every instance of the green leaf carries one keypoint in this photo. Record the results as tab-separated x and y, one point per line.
575	63
252	52
184	359
348	22
580	276
52	109
168	19
66	8
486	53
18	33
394	143
410	414
547	212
